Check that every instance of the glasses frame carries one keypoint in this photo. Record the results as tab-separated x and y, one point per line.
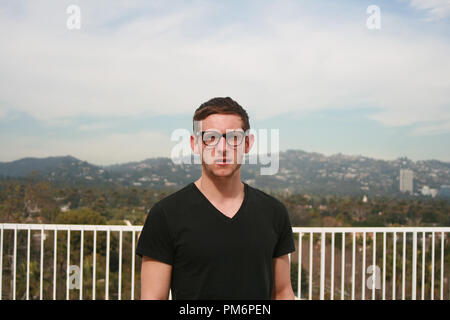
224	135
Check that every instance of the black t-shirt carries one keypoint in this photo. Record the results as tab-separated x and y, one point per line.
214	256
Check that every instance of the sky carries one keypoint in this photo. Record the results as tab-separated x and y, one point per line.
331	77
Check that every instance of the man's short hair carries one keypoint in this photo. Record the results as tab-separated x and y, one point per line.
221	105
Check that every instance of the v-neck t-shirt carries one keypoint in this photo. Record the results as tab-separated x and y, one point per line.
212	255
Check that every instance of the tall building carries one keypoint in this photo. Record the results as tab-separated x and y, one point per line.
406	180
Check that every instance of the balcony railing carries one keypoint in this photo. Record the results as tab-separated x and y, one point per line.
44	261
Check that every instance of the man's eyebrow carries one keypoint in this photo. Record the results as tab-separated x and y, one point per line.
236	129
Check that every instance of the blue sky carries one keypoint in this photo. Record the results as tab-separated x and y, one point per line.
114	90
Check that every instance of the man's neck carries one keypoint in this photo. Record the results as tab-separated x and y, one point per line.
221	188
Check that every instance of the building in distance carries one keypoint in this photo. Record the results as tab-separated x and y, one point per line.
444	191
406	180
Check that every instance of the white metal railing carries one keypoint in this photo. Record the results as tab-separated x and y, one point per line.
321	242
67	230
52	260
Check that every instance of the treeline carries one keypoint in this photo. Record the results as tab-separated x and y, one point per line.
43	202
332	211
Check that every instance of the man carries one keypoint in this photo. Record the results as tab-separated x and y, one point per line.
218	237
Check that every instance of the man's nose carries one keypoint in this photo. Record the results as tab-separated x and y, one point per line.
222	145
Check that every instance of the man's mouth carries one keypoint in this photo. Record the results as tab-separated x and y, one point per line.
223	161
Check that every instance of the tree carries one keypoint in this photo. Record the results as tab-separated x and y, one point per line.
87	198
133	197
429	217
73	198
80	216
100	206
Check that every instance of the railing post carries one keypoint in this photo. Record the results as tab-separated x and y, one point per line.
68	264
404	266
394	260
343	267
310	264
374	264
384	266
107	266
423	265
28	265
353	264
1	260
363	289
41	266
414	266
442	265
94	261
120	267
432	266
14	262
299	278
81	263
332	267
133	254
322	266
55	249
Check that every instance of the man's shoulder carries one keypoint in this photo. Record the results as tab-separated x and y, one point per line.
265	197
177	197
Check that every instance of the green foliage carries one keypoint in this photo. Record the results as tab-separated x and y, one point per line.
294	279
429	217
80	216
38	201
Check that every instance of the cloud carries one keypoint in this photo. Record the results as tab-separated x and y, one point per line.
436	9
129	62
3	113
97	149
97	126
440	127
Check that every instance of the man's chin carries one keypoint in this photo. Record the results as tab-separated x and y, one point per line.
222	170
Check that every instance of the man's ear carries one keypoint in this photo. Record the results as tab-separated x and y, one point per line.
194	144
249	141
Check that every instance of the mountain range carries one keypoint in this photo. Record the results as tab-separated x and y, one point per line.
298	172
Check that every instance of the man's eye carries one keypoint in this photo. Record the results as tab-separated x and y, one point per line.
210	137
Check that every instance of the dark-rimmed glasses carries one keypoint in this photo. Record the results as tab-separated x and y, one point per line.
211	137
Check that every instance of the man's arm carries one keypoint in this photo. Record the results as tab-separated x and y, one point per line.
155	279
282	289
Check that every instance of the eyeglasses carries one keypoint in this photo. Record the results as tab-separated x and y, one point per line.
233	138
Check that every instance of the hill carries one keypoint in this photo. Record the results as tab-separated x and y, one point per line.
299	172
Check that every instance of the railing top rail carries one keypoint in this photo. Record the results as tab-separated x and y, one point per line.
85	227
368	229
65	227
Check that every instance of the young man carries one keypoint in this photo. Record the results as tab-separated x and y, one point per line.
218	237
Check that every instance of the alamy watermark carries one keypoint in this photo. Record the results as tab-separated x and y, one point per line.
265	151
74	277
74	19
374	20
374	279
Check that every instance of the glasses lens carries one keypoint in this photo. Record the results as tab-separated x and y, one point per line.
234	138
211	137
